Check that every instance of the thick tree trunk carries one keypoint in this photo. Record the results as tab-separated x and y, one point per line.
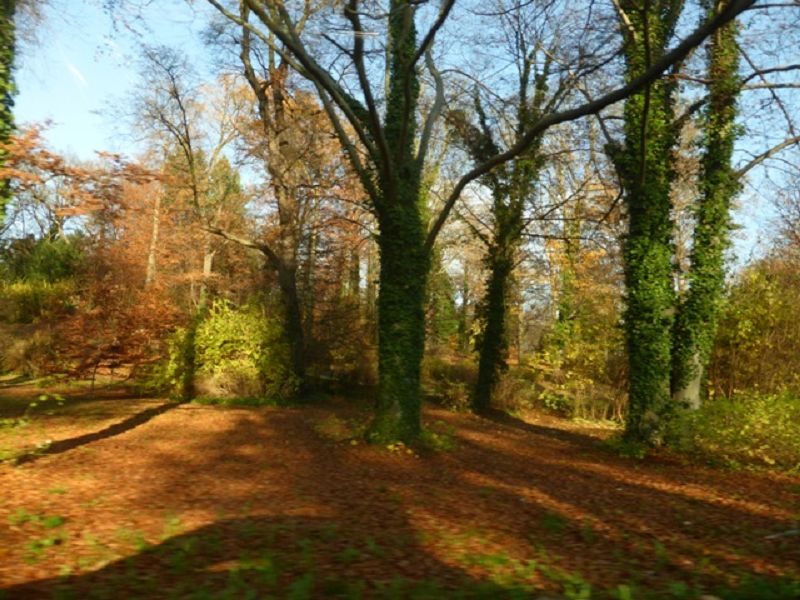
645	168
494	341
404	264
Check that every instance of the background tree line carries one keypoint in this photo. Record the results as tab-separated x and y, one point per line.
516	205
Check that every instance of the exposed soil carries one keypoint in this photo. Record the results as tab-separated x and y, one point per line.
200	500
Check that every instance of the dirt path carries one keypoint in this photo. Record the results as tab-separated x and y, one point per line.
202	502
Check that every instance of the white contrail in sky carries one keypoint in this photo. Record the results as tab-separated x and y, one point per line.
76	73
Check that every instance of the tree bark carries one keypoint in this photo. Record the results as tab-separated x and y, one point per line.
404	265
7	90
645	168
494	341
150	276
287	281
696	321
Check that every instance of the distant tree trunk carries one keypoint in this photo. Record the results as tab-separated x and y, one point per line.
186	386
354	273
463	314
645	168
493	350
152	251
696	321
271	97
308	287
7	90
512	186
287	281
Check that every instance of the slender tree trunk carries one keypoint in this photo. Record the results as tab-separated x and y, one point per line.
308	289
696	321
150	276
287	281
7	89
463	314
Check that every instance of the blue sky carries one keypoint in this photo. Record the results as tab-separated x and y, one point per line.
82	66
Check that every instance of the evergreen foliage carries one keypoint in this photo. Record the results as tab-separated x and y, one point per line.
696	321
644	164
7	90
404	259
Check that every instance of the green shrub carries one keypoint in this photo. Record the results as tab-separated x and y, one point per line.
25	301
238	352
749	429
26	350
449	381
44	259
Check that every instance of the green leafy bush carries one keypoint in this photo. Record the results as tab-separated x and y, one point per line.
25	349
749	429
45	259
449	380
238	352
758	342
24	301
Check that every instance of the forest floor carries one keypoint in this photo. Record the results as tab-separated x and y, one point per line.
143	498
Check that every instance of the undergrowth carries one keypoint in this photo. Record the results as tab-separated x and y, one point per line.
751	429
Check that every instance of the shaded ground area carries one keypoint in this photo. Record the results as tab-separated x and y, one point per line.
204	502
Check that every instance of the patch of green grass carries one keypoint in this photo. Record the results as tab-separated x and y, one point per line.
440	439
553	523
265	567
373	548
754	587
626	448
19	517
330	532
22	516
172	527
52	521
301	588
588	533
244	401
349	555
35	548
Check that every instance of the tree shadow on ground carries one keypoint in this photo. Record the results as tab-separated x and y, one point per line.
273	508
66	445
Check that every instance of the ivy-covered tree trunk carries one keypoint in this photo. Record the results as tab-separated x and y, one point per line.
493	350
512	185
7	89
696	320
401	320
404	257
644	164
